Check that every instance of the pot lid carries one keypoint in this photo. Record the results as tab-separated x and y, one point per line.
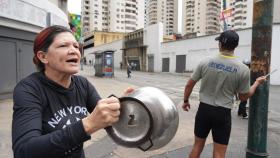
134	125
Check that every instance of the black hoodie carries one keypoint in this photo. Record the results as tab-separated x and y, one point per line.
47	117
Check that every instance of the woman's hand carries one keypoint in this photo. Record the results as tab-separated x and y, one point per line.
106	112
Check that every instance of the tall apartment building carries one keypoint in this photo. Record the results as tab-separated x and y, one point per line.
165	11
112	15
201	17
86	16
241	12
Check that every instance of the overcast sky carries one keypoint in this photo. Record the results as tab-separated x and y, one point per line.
74	6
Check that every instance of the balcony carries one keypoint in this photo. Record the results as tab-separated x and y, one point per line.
213	3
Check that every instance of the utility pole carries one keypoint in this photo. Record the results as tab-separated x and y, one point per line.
224	8
260	65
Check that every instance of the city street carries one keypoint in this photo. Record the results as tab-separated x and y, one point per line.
101	146
179	147
113	43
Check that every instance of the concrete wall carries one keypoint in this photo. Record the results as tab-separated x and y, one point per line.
31	15
275	55
195	49
276	11
198	48
153	37
20	20
116	46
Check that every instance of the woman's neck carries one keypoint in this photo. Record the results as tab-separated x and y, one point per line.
61	79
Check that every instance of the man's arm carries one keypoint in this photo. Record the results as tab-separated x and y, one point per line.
188	90
259	80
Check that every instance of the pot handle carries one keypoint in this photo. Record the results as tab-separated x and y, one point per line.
147	148
112	95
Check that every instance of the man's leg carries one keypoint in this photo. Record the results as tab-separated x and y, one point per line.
242	108
202	128
197	147
219	150
221	131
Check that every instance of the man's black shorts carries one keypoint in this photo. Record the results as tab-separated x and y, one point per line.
217	119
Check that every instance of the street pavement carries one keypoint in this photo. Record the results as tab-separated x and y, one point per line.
101	146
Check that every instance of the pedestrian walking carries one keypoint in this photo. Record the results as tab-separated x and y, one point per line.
51	106
121	65
128	71
221	77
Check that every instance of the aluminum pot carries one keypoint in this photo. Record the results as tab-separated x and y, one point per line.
148	120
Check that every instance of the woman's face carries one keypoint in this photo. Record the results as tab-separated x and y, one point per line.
63	55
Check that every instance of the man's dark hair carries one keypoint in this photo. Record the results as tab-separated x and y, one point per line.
229	40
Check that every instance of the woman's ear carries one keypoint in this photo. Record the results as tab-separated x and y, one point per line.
42	56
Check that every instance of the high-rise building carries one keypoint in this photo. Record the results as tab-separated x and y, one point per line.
240	13
201	17
112	15
165	11
86	16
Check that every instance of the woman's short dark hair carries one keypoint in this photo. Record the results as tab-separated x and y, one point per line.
43	40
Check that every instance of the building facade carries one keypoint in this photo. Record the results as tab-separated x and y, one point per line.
240	14
20	20
98	38
62	4
165	11
184	55
201	17
86	16
134	51
112	15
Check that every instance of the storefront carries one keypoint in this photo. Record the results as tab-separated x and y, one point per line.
104	64
134	52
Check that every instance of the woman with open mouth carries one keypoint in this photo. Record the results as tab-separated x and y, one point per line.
55	111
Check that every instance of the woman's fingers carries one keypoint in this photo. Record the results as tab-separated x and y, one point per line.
111	103
127	91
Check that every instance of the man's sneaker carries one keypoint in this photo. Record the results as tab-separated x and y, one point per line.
245	117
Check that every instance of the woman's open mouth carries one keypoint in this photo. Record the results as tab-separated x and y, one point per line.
72	61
